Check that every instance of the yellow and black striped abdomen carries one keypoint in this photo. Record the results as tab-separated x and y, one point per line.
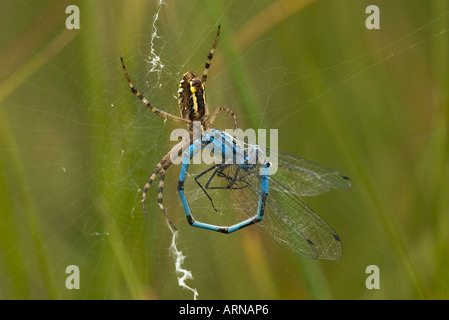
191	97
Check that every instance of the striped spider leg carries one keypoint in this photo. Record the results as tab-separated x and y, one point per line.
193	106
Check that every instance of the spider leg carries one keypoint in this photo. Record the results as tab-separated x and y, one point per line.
161	167
148	104
213	116
153	176
159	197
209	58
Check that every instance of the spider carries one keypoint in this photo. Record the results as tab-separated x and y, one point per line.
193	106
275	196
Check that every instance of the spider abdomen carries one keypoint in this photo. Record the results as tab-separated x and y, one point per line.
191	97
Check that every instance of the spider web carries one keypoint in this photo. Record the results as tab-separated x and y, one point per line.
77	147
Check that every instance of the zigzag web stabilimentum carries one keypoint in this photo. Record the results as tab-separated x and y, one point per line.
155	63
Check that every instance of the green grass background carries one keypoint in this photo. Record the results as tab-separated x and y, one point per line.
76	146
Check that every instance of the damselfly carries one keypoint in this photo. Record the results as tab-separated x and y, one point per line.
271	199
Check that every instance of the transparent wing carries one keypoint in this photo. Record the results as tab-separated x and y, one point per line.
297	227
307	178
287	219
